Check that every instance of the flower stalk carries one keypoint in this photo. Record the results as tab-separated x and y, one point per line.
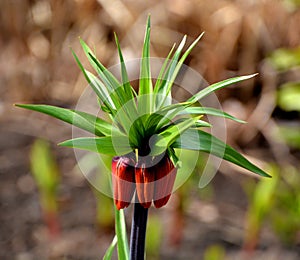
153	179
138	232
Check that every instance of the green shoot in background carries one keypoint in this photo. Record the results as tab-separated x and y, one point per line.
46	175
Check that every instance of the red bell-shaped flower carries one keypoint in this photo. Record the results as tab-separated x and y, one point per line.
165	174
123	181
153	181
145	180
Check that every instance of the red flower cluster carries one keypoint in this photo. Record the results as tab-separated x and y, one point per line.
152	182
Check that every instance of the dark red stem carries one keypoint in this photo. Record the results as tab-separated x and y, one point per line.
138	232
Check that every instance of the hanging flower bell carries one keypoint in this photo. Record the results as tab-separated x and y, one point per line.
123	181
152	180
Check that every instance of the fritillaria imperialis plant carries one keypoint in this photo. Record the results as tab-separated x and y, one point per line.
144	135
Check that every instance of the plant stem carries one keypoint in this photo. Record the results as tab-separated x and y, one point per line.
138	232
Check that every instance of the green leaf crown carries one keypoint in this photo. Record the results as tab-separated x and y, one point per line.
147	123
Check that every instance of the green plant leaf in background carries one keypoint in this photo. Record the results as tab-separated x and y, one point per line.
285	211
154	237
285	59
260	204
46	175
290	134
44	167
289	96
214	252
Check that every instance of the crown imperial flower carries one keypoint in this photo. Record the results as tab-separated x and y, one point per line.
145	134
153	180
137	118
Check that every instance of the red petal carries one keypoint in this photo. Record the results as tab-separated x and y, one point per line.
165	175
144	178
123	181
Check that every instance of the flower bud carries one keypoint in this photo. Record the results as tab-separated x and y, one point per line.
122	181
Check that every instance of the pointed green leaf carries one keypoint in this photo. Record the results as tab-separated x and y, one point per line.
80	119
170	134
104	74
163	116
212	88
116	145
118	95
145	84
109	99
162	89
182	59
205	142
113	86
128	90
174	158
188	51
201	123
99	89
125	113
158	99
127	116
175	68
80	66
162	71
183	106
209	111
172	112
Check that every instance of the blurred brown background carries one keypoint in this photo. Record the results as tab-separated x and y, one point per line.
241	37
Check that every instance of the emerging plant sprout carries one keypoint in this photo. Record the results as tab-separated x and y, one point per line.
145	131
46	174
